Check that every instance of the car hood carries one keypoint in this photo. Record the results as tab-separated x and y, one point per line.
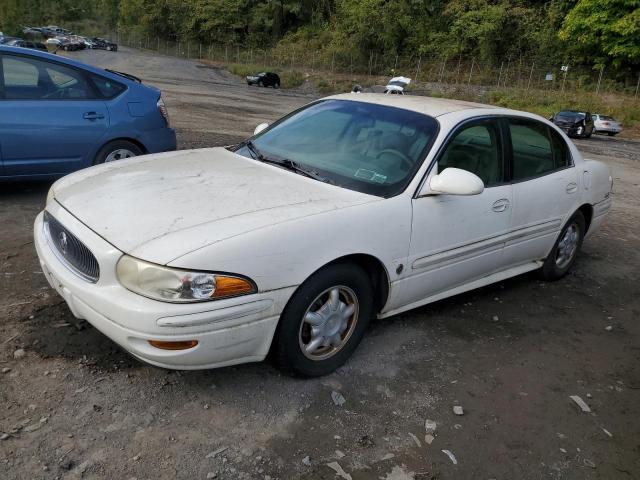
160	207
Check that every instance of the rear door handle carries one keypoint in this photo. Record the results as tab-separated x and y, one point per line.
93	116
500	205
572	187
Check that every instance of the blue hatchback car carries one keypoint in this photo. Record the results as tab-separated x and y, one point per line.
58	115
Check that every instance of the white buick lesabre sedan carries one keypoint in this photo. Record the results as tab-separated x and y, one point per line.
350	207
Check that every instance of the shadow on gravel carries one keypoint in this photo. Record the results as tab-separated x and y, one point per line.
19	190
55	332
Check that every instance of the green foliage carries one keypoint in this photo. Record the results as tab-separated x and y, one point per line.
360	32
608	30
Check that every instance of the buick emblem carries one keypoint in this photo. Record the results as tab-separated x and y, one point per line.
63	243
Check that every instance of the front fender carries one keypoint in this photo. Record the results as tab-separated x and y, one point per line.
286	254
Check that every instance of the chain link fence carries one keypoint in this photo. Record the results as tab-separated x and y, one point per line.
458	72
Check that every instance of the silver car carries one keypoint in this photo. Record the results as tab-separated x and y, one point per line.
605	124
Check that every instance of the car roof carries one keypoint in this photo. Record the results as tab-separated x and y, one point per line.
68	61
433	107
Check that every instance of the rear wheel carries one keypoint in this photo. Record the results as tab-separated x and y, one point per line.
324	321
564	252
117	150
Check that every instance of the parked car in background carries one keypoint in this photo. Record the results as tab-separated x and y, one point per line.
574	122
396	85
18	42
54	30
102	44
32	31
264	79
58	115
5	39
606	125
354	206
87	42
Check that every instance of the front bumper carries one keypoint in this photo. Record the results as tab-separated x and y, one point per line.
230	331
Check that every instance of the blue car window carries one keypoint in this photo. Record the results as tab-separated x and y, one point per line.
27	78
108	88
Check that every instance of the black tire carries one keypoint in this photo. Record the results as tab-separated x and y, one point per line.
110	147
552	270
287	344
260	84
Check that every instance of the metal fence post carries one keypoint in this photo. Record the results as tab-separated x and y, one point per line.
506	72
637	86
599	80
458	70
418	69
444	61
500	74
473	61
530	75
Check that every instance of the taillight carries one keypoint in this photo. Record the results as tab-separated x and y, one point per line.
162	108
606	124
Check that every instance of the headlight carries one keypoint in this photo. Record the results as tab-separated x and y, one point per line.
181	286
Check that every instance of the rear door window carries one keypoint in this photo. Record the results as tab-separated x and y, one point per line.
537	150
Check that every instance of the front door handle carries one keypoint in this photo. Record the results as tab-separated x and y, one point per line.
93	116
500	205
572	187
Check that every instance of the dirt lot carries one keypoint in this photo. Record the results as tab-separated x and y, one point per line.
75	406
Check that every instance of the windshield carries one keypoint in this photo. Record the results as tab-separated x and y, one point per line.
370	148
570	115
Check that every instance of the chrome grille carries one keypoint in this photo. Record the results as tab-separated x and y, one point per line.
71	251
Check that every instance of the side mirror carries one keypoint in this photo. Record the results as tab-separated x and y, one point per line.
260	128
453	181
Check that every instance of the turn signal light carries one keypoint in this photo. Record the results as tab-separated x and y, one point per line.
182	345
231	286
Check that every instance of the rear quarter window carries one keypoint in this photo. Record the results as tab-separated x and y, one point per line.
106	87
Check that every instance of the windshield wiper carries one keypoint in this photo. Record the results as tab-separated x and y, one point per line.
284	163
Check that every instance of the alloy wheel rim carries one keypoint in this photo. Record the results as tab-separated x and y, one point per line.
328	323
119	154
568	246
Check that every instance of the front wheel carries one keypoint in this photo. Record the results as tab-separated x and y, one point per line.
564	252
324	321
117	150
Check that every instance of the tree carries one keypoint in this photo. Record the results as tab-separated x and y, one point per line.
604	30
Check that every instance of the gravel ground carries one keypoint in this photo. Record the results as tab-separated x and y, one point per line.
73	405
